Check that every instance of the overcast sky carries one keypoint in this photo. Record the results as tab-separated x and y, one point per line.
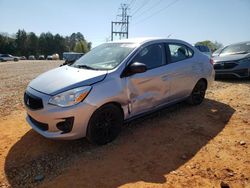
226	21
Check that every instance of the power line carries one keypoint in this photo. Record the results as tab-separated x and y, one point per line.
150	8
157	12
145	2
131	3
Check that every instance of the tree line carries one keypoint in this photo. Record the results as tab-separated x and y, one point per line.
28	43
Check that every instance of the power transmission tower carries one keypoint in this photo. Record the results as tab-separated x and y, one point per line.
120	28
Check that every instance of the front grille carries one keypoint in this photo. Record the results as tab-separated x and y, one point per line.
39	125
225	65
217	66
32	101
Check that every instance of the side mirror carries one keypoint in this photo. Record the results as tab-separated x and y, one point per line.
134	68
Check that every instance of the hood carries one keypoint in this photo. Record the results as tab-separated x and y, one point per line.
233	57
65	78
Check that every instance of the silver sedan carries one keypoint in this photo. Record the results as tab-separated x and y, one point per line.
114	82
233	61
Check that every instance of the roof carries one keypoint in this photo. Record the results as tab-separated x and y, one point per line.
140	41
137	40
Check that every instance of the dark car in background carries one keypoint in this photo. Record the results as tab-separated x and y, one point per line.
41	57
22	58
233	61
204	49
32	57
8	57
49	57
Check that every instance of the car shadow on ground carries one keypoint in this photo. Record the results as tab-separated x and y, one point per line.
233	80
147	150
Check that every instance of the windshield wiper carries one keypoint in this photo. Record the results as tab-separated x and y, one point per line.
85	67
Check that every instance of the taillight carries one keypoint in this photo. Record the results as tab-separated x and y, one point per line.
212	61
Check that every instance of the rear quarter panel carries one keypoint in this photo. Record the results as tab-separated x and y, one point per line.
203	68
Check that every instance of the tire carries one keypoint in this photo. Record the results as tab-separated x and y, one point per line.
198	93
105	124
15	59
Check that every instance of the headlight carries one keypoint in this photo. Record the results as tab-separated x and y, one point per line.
246	60
71	97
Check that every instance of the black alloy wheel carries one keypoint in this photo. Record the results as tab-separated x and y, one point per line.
198	93
105	124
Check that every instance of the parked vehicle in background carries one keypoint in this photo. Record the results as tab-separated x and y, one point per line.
49	57
32	57
41	57
71	57
233	61
22	58
116	81
53	57
204	49
8	57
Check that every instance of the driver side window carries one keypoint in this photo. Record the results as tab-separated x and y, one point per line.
151	56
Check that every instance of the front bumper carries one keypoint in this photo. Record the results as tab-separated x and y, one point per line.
237	70
45	121
241	73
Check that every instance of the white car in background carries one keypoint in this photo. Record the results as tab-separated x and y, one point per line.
8	57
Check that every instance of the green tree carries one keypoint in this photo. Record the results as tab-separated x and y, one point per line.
79	36
72	41
7	44
21	42
25	44
42	43
212	45
60	44
74	38
81	47
32	44
50	45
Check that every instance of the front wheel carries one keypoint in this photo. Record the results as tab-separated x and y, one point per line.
198	93
105	124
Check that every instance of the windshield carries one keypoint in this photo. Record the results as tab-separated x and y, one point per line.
236	49
105	57
217	52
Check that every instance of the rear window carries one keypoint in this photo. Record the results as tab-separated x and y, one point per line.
179	52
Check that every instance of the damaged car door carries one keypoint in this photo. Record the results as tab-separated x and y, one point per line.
149	89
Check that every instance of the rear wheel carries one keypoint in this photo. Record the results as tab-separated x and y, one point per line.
198	93
105	124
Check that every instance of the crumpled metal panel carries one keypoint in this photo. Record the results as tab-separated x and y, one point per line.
148	90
